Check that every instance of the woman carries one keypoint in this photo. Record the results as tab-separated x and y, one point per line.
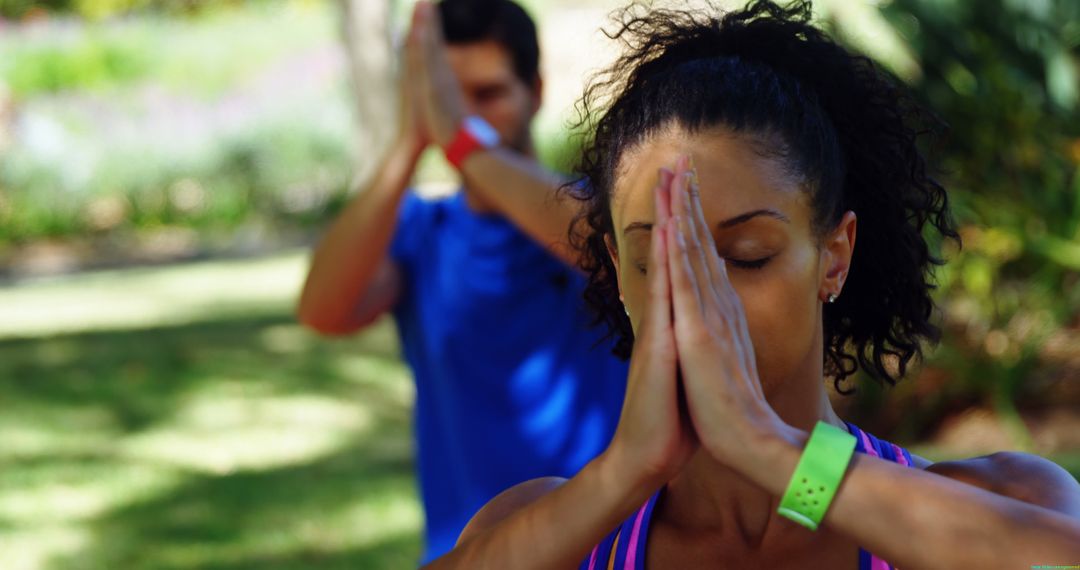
733	159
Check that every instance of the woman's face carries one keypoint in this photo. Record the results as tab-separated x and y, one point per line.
760	218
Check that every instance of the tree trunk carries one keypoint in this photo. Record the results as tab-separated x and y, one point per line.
371	59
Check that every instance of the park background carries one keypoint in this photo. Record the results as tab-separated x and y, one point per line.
166	165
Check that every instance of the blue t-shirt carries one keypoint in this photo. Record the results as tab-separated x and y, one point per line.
511	381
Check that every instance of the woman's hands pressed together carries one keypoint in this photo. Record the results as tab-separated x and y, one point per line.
716	356
693	359
654	439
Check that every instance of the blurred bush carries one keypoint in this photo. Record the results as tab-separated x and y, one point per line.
279	174
232	117
90	63
98	9
1004	75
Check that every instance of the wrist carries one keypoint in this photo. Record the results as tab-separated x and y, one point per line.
410	145
446	123
621	476
819	472
771	453
445	135
471	134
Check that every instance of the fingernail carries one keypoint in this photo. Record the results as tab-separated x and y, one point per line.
683	162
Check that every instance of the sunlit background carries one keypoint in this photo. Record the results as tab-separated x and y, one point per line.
166	164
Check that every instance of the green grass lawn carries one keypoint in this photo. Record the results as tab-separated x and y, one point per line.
200	428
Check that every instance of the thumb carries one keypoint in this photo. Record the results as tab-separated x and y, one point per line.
432	25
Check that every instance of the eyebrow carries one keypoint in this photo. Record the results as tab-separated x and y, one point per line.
728	223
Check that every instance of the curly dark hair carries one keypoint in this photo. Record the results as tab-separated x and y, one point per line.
834	119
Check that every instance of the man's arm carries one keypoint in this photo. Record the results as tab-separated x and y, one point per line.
528	194
518	187
352	280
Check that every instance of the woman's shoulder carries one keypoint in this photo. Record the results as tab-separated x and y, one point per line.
507	503
1022	476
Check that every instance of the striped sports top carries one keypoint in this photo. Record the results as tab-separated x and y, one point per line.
624	548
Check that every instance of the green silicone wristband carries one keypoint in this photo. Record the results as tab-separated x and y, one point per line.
818	475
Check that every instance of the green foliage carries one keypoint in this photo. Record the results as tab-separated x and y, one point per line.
98	9
1004	75
88	64
281	174
92	176
204	55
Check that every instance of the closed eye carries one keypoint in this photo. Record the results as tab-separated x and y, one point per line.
751	264
738	263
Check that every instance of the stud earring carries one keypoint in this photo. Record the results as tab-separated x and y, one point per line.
831	298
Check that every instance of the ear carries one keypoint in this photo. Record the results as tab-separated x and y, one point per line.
836	252
613	253
537	92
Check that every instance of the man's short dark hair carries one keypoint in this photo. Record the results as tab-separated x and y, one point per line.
501	21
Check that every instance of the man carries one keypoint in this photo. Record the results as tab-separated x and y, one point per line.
512	384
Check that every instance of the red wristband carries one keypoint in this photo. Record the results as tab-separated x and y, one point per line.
472	135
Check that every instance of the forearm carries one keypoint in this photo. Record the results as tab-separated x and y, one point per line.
349	254
528	194
559	529
920	520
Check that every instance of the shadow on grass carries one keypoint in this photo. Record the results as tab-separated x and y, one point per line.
76	399
141	376
353	509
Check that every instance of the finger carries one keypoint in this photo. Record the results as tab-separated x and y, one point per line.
409	80
418	53
413	39
743	340
417	17
685	299
733	316
719	286
680	198
418	33
429	38
718	295
728	305
658	317
705	238
432	36
435	30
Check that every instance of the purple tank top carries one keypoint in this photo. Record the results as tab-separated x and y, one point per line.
624	548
